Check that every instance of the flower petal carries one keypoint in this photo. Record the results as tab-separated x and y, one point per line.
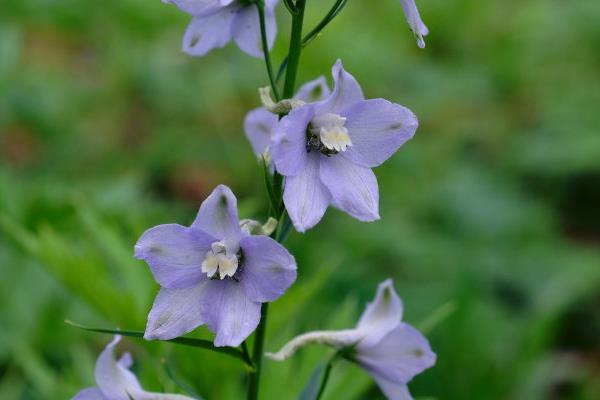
268	268
209	31
114	380
288	147
198	7
229	313
246	30
346	91
143	395
398	356
259	126
176	312
312	91
89	394
353	187
382	315
393	390
174	254
414	21
305	197
218	215
377	129
336	339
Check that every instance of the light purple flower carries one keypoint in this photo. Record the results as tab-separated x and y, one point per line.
326	151
216	22
115	382
391	351
260	124
414	21
213	273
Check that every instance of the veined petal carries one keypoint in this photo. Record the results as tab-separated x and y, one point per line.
305	197
174	254
229	313
89	394
398	356
113	379
353	187
176	312
382	315
259	126
414	21
288	147
346	91
209	31
314	90
393	390
377	129
218	215
335	339
246	30
268	268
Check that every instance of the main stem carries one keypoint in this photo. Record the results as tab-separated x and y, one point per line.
288	92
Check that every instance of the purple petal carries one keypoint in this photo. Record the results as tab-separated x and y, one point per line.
312	91
305	197
208	32
382	315
289	141
199	7
346	91
353	187
246	30
176	312
414	21
89	394
114	380
218	215
259	126
143	395
229	313
398	356
393	390
377	129
174	254
269	269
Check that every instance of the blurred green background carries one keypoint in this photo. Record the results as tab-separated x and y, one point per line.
490	215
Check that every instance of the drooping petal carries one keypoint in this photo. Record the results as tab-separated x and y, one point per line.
346	91
210	31
259	126
176	312
89	394
174	254
288	147
414	21
143	395
377	129
314	90
398	356
382	315
393	390
229	313
305	197
199	7
113	379
335	339
218	215
268	268
353	187
246	30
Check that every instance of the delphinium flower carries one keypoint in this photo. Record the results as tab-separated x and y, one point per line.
216	22
326	150
391	351
213	273
413	17
115	381
260	123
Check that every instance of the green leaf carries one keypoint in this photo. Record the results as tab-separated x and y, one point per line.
184	386
311	389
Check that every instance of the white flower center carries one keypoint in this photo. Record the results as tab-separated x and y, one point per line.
221	261
332	131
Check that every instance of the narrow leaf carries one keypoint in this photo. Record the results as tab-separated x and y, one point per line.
311	389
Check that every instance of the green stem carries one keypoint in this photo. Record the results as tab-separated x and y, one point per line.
295	50
257	353
260	5
326	374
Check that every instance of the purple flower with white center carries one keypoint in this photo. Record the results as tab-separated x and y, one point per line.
260	123
326	151
213	273
391	351
414	21
116	382
216	22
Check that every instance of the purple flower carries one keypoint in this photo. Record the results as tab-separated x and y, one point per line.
414	21
326	151
116	382
216	22
260	124
391	351
213	273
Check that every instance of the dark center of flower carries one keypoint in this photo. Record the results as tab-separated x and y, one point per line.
327	134
223	261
